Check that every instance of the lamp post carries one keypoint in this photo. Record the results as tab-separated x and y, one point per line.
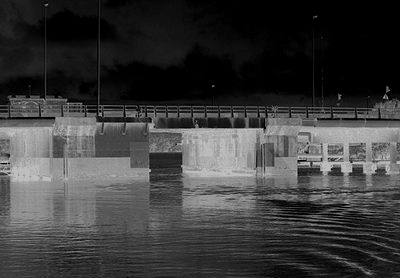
322	72
98	57
212	91
313	61
45	5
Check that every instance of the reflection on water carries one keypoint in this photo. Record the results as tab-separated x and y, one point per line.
174	226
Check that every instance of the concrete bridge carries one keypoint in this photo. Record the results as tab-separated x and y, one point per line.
79	146
194	111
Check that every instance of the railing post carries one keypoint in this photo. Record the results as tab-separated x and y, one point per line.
258	111
178	114
155	111
145	111
219	112
62	110
9	110
355	113
307	114
102	111
85	110
331	112
166	111
245	111
124	113
205	111
40	111
191	111
232	115
266	112
379	114
290	111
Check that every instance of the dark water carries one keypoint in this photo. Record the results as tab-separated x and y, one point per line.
318	226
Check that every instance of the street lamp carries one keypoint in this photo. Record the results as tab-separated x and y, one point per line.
322	72
313	61
98	57
212	91
45	5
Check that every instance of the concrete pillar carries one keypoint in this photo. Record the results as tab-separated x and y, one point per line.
393	167
369	166
325	165
346	166
220	152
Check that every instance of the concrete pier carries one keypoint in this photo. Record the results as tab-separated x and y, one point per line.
76	149
280	145
347	133
220	152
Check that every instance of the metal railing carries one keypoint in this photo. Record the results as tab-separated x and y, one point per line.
196	111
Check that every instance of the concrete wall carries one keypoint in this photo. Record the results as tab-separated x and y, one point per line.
220	152
76	148
279	147
161	122
93	168
326	133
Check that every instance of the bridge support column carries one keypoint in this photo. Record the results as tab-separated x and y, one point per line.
369	167
393	167
280	145
325	165
346	167
220	152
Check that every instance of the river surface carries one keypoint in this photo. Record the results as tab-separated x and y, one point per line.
174	226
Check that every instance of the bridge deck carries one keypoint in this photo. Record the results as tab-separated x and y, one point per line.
174	111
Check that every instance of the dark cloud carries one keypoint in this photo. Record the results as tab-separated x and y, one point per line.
117	3
194	77
65	26
243	48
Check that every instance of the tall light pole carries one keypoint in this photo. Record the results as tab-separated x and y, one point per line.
322	71
98	57
45	5
313	61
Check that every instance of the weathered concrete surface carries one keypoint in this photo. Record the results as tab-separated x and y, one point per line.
114	139
85	168
76	148
369	133
162	122
30	150
280	147
352	135
165	142
114	150
220	152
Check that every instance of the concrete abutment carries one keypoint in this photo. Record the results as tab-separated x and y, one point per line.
76	149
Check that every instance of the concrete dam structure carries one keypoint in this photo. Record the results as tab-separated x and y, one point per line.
92	148
76	148
274	150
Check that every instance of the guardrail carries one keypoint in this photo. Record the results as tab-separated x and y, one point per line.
196	111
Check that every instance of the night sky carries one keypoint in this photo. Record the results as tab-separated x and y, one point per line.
253	52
